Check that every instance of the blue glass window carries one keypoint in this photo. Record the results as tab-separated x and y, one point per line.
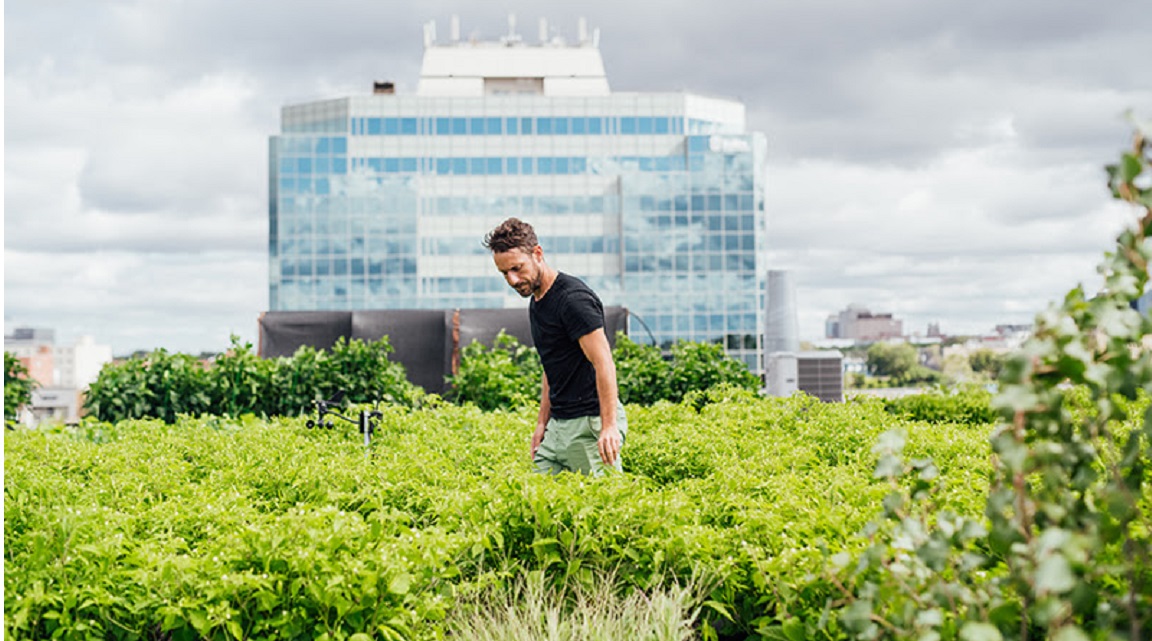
697	143
476	126
340	165
544	166
443	126
391	165
323	165
644	125
492	125
375	126
304	165
443	166
526	166
579	126
322	145
628	125
660	125
513	165
459	126
595	126
494	166
287	165
526	126
459	166
561	165
511	126
407	164
544	126
560	126
476	166
408	126
579	165
391	126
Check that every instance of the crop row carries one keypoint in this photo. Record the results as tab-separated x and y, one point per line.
224	528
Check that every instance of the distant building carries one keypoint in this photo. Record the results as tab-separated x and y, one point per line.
35	348
1002	340
62	372
859	324
380	201
79	364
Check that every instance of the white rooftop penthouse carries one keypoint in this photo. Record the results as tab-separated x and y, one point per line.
510	66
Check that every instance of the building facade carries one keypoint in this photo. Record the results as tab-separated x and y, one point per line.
381	201
856	322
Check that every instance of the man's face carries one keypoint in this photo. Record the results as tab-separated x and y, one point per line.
521	268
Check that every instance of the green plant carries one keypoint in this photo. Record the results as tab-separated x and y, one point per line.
968	404
1066	544
507	374
987	362
18	388
165	386
698	366
531	610
642	374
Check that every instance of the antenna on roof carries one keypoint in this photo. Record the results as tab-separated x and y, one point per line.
512	36
543	30
582	30
455	28
429	33
596	37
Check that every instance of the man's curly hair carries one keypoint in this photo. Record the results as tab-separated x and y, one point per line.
511	234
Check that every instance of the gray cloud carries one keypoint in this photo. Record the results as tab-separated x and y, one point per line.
938	160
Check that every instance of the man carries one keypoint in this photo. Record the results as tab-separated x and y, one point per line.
581	423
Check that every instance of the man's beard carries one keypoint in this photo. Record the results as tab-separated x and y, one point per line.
527	288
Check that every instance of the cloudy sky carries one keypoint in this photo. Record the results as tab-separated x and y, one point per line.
938	160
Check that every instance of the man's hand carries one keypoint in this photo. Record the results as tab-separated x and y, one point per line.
537	437
609	444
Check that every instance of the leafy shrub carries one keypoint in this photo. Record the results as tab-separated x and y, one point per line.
165	386
700	366
1063	549
642	374
987	362
969	404
507	374
17	388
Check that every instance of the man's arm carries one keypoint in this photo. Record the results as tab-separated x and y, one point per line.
542	417
596	349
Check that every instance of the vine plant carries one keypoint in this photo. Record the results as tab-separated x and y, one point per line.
1063	552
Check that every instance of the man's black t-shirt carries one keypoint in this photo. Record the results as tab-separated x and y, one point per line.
568	311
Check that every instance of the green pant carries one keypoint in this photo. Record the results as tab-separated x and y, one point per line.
570	445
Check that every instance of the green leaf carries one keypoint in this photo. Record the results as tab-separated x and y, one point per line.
1054	575
1070	633
400	583
978	631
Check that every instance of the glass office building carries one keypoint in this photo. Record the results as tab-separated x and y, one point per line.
381	201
